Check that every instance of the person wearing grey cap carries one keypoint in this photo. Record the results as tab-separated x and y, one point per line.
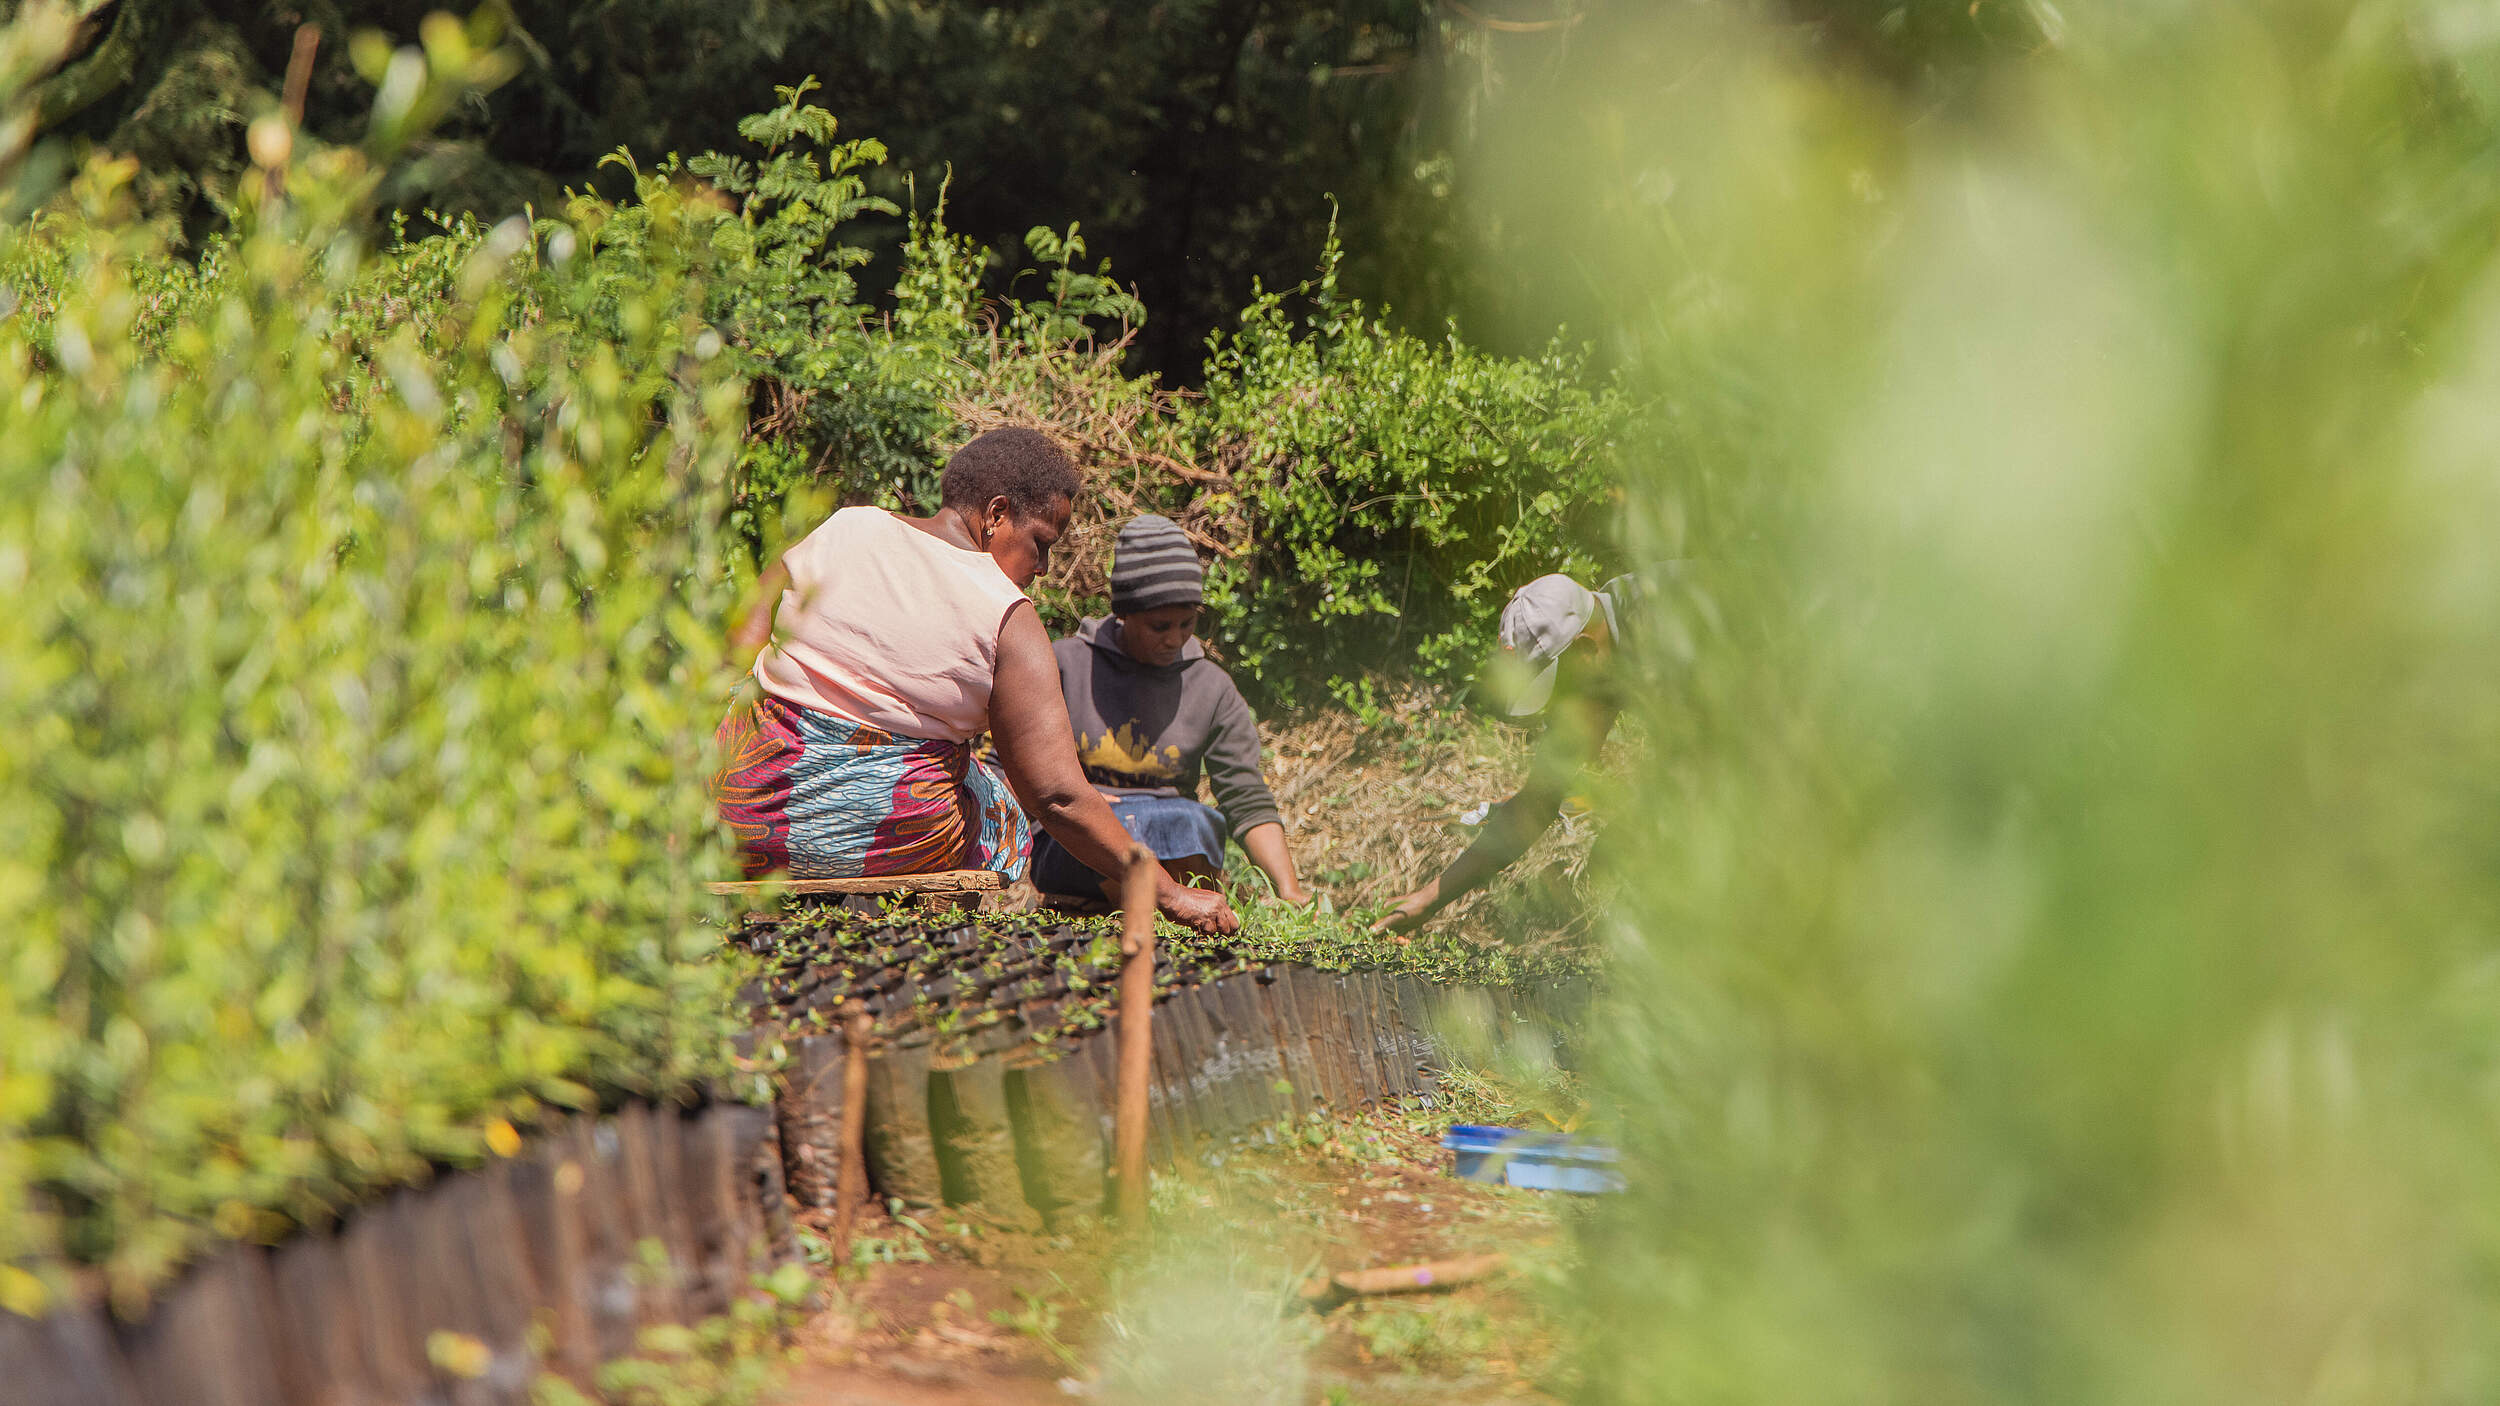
1152	714
1560	654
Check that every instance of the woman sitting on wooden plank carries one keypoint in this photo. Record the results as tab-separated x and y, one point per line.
887	645
1151	713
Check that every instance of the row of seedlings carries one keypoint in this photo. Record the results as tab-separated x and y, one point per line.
994	1070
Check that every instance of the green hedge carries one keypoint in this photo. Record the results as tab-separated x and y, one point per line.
1397	490
358	671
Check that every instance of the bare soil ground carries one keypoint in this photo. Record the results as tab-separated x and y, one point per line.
1208	1308
921	1335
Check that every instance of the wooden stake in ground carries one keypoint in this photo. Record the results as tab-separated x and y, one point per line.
298	79
850	1173
1137	1001
299	71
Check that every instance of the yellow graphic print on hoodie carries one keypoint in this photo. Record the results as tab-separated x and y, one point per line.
1126	751
1162	727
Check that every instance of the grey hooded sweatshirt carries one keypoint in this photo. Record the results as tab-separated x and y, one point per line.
1144	729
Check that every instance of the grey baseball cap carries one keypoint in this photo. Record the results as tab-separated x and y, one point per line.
1541	621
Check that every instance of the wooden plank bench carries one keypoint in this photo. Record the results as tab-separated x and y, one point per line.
964	885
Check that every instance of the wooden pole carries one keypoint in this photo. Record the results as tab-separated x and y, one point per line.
299	71
1137	1000
1402	1279
850	1173
298	80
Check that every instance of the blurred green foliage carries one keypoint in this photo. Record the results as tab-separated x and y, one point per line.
358	673
2061	958
731	1359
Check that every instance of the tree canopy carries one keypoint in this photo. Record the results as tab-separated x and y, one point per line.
1200	144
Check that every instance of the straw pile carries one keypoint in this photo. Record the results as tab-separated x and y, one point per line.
1121	433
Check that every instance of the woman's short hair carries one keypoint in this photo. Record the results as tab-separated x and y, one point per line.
1017	464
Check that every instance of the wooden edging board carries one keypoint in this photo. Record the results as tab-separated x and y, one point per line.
949	881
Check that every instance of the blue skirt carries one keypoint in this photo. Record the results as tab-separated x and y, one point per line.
1172	826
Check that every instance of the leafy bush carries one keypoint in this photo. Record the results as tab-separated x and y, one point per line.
358	673
1395	491
1369	499
1373	497
848	404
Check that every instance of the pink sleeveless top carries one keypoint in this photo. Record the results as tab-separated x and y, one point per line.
886	625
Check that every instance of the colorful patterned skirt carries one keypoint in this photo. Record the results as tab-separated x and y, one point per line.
828	799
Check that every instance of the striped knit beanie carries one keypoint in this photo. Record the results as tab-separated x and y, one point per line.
1153	564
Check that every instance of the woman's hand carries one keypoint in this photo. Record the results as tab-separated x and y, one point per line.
1200	910
1409	913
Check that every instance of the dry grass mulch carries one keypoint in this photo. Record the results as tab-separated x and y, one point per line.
1374	810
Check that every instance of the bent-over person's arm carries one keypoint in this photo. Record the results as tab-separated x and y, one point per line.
1570	743
1037	748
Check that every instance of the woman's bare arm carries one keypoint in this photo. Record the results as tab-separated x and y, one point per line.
754	628
1037	747
1579	729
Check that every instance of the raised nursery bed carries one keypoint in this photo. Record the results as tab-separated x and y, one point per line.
991	1066
990	1079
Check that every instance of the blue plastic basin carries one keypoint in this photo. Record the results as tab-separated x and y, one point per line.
1544	1161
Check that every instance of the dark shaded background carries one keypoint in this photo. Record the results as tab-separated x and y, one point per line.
1199	144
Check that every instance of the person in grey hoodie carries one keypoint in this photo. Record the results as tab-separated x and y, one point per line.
1152	714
